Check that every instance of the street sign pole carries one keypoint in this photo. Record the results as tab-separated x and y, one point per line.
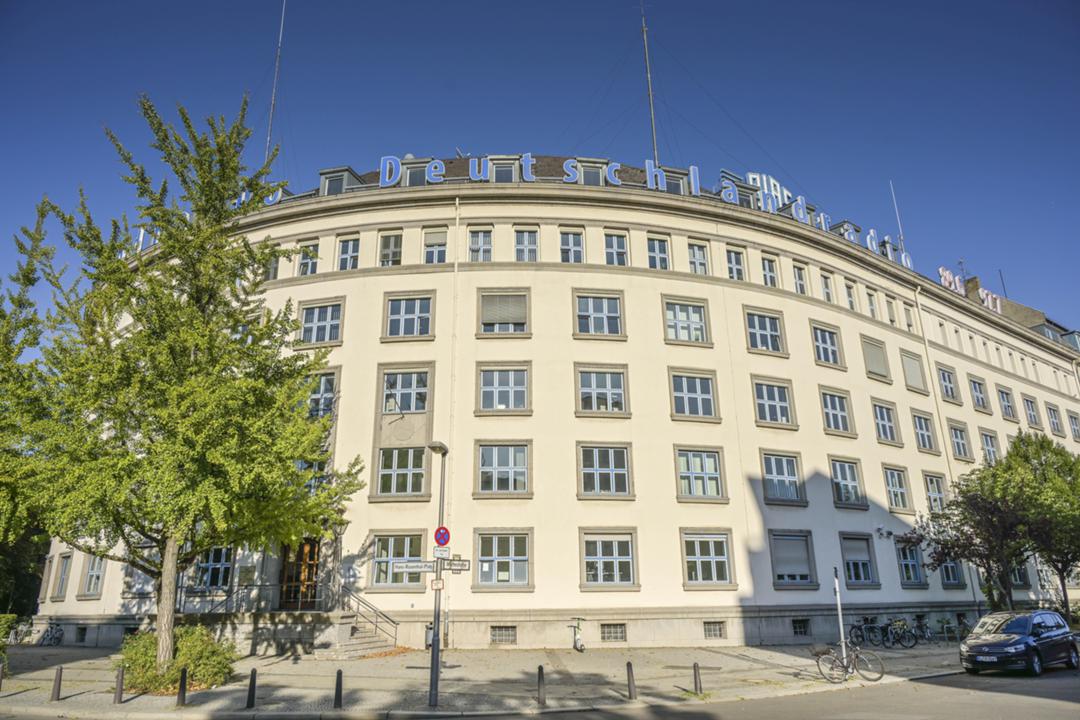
433	682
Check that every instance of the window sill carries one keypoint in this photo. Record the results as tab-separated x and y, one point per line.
958	458
851	506
696	418
901	511
504	336
756	351
863	586
88	597
930	451
598	336
782	502
880	378
915	586
388	589
831	366
706	500
688	343
593	414
508	588
919	390
501	495
608	497
1011	419
796	586
585	587
722	587
890	443
776	425
954	586
502	413
983	410
841	433
1058	434
301	345
387	498
952	401
406	338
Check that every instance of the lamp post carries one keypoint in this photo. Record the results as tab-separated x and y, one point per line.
433	683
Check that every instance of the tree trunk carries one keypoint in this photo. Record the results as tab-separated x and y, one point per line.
1063	578
1005	581
166	604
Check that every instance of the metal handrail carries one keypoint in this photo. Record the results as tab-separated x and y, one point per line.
376	614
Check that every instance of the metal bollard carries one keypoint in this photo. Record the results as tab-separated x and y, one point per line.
631	686
251	691
181	692
541	690
118	691
697	679
337	691
56	684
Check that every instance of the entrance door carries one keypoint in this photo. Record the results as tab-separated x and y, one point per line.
300	576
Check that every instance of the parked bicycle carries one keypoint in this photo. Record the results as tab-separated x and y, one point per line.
865	631
837	665
924	633
575	629
19	633
53	635
897	632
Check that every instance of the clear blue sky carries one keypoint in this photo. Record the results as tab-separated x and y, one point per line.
972	108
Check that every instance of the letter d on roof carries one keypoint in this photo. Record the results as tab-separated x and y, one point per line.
389	171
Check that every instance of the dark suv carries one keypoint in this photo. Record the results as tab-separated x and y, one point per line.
1019	641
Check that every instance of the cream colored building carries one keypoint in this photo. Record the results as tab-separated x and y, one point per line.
666	414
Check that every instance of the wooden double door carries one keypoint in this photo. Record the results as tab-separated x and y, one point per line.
300	576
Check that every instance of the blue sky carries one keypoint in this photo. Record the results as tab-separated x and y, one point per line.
971	108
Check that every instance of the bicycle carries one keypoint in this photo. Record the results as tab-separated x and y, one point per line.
865	631
53	635
897	632
838	668
19	633
579	644
923	632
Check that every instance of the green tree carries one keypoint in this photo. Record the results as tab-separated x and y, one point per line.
1053	517
177	404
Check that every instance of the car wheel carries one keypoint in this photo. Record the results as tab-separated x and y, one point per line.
1035	666
971	671
1074	658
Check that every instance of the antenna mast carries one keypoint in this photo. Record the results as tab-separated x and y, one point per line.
273	93
896	208
648	79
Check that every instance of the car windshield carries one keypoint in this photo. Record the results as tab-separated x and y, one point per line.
1004	625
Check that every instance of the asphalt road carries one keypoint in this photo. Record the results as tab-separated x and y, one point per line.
955	697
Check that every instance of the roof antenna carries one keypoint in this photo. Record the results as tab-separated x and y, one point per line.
899	225
648	79
273	93
461	154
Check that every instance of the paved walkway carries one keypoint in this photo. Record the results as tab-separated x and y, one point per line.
473	681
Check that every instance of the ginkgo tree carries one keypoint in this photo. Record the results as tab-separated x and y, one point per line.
177	415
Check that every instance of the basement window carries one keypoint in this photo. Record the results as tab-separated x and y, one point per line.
800	627
504	634
613	632
715	629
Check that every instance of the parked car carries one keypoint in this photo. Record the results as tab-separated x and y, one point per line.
1019	641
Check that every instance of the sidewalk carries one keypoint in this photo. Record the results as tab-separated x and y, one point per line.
473	681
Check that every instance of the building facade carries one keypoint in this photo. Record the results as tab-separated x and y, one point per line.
666	414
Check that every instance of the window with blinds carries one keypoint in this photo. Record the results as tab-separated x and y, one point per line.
858	563
914	377
504	313
877	363
791	559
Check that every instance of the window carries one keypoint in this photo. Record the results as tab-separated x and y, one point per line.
914	377
415	175
408	317
781	475
877	363
592	175
335	184
405	392
847	488
504	389
909	318
46	573
271	271
827	345
213	569
525	247
614	632
935	492
571	248
714	629
1074	426
769	275
859	569
852	303
699	474
959	437
896	488
1020	576
871	304
773	402
890	310
950	574
1031	409
989	446
799	273
95	571
316	475
609	560
349	254
401	471
309	260
434	247
910	561
707	558
479	246
599	315
321	323
834	406
792	559
504	313
885	423
979	398
390	549
504	172
658	254
764	333
924	431
63	572
1005	399
685	321
605	471
947	378
692	396
826	288
503	559
602	391
504	634
390	250
504	468
615	250
699	259
800	627
735	268
321	400
1053	416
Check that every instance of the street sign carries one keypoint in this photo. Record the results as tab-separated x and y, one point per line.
457	565
437	583
442	553
442	536
414	566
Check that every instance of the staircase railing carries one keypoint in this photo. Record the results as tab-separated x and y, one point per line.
370	614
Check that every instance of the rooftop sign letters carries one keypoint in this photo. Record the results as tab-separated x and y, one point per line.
956	283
